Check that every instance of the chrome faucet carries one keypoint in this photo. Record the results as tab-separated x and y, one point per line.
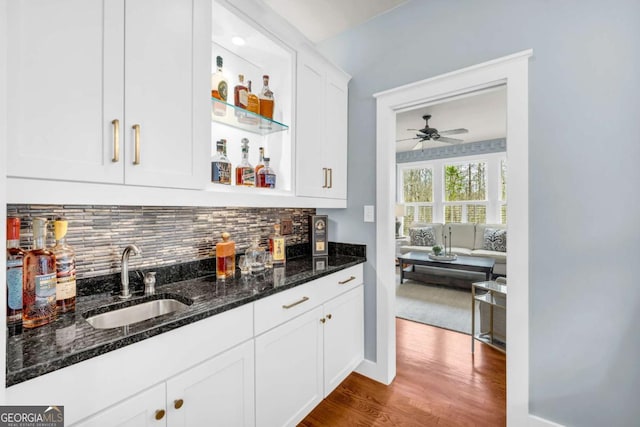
124	274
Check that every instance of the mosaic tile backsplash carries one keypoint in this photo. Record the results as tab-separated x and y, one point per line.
165	235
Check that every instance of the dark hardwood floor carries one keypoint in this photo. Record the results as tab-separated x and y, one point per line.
438	383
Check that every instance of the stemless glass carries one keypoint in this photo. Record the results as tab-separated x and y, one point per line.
244	264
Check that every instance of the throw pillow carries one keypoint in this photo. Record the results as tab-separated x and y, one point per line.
495	239
422	236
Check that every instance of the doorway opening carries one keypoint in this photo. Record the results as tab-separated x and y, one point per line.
451	171
511	71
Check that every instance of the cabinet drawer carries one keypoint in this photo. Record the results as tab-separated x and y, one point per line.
276	309
342	281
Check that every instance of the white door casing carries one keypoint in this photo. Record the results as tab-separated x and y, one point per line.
511	70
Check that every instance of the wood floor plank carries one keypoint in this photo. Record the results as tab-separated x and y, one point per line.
438	383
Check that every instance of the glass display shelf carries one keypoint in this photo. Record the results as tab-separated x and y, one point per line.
230	115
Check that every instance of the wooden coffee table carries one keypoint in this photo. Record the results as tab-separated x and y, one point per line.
465	263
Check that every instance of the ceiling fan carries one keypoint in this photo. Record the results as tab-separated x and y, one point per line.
432	134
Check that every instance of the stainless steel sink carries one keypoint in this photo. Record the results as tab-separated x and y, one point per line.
135	313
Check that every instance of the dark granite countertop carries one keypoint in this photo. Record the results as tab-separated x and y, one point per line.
70	339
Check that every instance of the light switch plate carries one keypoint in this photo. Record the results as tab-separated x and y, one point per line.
368	213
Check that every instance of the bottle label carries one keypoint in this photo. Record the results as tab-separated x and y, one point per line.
221	172
248	176
243	97
66	287
14	284
45	289
222	90
270	180
278	249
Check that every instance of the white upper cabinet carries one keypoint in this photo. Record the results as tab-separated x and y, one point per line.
78	86
321	150
65	73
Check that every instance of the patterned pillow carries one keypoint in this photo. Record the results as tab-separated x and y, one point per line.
422	236
495	239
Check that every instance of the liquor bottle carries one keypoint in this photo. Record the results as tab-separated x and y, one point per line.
240	93
260	164
266	99
220	164
39	291
15	262
245	174
277	246
253	102
65	268
266	177
225	258
256	256
219	89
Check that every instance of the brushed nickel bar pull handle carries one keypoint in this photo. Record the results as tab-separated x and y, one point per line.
116	140
347	281
330	177
300	301
136	160
324	173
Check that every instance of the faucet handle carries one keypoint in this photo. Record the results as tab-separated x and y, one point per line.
149	283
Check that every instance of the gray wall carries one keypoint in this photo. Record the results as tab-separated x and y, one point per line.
584	154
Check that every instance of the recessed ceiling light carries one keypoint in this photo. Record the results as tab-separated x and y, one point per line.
238	41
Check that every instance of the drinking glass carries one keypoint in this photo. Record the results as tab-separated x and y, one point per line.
243	263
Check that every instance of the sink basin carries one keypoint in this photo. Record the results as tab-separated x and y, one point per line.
143	310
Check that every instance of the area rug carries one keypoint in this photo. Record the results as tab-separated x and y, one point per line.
434	305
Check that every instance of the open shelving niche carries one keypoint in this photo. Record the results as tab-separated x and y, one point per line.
260	55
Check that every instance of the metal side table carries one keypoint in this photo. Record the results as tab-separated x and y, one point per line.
488	291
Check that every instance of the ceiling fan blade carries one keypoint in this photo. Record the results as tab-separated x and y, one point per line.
454	131
418	146
406	139
450	140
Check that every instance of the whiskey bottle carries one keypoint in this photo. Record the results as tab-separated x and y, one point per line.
65	268
15	262
219	89
225	258
266	99
39	290
253	102
240	94
277	246
266	176
245	174
256	256
220	164
260	164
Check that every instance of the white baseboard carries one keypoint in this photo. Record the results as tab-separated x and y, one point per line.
371	370
535	421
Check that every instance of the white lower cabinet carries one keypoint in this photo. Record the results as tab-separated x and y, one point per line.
303	360
219	391
289	375
140	410
343	337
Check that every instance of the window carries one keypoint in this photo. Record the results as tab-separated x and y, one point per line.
417	192
471	189
465	182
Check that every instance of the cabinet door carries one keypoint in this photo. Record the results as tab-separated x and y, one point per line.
219	391
343	337
289	371
311	178
159	95
65	87
137	411
335	141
